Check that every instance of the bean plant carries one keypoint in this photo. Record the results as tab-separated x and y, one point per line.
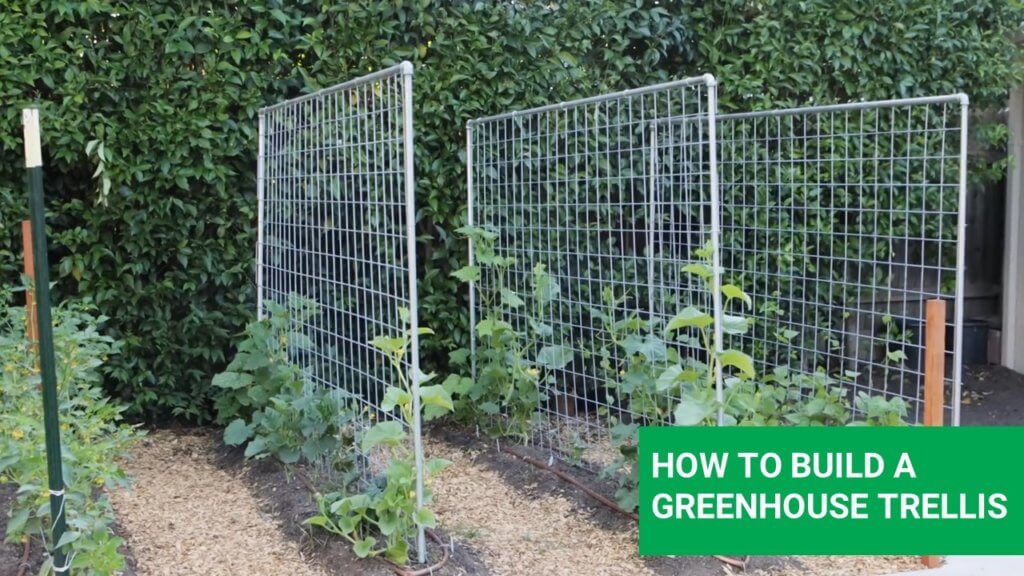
94	437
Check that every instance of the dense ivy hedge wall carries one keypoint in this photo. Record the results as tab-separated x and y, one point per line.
171	90
774	53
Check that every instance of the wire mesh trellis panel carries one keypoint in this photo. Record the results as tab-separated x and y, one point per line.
840	222
336	239
588	237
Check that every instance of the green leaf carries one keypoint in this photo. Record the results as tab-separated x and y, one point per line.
651	347
394	396
541	329
491	326
896	356
318	520
739	361
731	291
468	274
689	317
735	324
456	384
692	413
68	537
786	335
554	357
436	465
511	299
697	269
389	344
387	521
668	379
232	380
256	447
16	523
237	432
425	518
389	433
364	547
436	396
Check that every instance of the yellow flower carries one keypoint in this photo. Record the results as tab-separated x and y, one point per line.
412	494
18	434
533	372
98	481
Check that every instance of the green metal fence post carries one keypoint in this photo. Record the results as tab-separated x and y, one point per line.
47	363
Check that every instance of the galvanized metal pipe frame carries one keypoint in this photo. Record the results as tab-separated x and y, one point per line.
714	120
707	81
404	70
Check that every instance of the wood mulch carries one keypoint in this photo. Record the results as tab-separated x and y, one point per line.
193	510
184	515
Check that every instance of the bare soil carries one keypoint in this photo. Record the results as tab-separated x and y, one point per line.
992	396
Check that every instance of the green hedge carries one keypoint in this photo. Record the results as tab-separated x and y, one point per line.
171	89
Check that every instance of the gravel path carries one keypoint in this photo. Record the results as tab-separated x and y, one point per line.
184	515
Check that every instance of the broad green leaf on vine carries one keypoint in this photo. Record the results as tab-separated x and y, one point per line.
468	274
739	361
692	413
731	292
689	317
389	344
436	396
554	357
389	433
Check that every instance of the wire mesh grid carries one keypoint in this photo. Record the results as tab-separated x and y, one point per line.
574	197
335	240
841	222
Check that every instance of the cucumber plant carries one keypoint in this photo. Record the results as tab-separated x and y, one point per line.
270	407
514	365
381	519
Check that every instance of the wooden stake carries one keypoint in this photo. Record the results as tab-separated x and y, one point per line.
934	362
31	328
934	378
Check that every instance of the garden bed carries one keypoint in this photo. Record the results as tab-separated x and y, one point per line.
197	507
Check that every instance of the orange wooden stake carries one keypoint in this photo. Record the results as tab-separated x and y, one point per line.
30	296
934	377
